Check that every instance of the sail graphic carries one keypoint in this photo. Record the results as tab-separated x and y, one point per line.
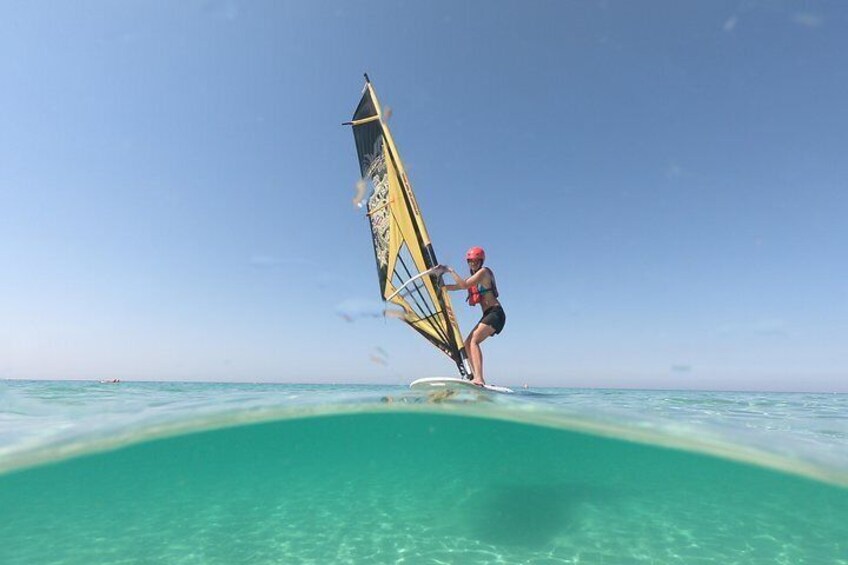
405	258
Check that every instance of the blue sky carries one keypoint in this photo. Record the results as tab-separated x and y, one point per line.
660	187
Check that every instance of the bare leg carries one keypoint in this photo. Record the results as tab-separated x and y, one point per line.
475	354
467	345
471	360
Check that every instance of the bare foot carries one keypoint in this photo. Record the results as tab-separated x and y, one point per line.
478	383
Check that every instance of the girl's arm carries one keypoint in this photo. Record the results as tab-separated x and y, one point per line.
461	283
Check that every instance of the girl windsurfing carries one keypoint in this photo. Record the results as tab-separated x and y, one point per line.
482	290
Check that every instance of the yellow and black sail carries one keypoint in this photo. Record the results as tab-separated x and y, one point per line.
402	248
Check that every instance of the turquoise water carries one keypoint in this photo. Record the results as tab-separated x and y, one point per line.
181	473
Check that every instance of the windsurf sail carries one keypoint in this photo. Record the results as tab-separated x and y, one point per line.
407	268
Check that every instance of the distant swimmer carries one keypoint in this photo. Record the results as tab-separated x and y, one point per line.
482	290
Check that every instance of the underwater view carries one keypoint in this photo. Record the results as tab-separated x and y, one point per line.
214	473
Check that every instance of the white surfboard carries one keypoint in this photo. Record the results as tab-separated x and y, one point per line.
448	383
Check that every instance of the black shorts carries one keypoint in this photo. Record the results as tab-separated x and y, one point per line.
494	317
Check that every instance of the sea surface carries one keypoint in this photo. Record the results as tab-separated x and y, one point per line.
195	473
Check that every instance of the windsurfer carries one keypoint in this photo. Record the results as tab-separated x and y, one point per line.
482	290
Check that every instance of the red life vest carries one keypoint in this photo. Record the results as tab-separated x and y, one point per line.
476	292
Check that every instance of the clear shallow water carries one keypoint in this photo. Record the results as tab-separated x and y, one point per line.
340	474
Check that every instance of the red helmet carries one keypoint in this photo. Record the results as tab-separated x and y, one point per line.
475	253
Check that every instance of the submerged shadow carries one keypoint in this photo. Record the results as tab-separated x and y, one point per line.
529	515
